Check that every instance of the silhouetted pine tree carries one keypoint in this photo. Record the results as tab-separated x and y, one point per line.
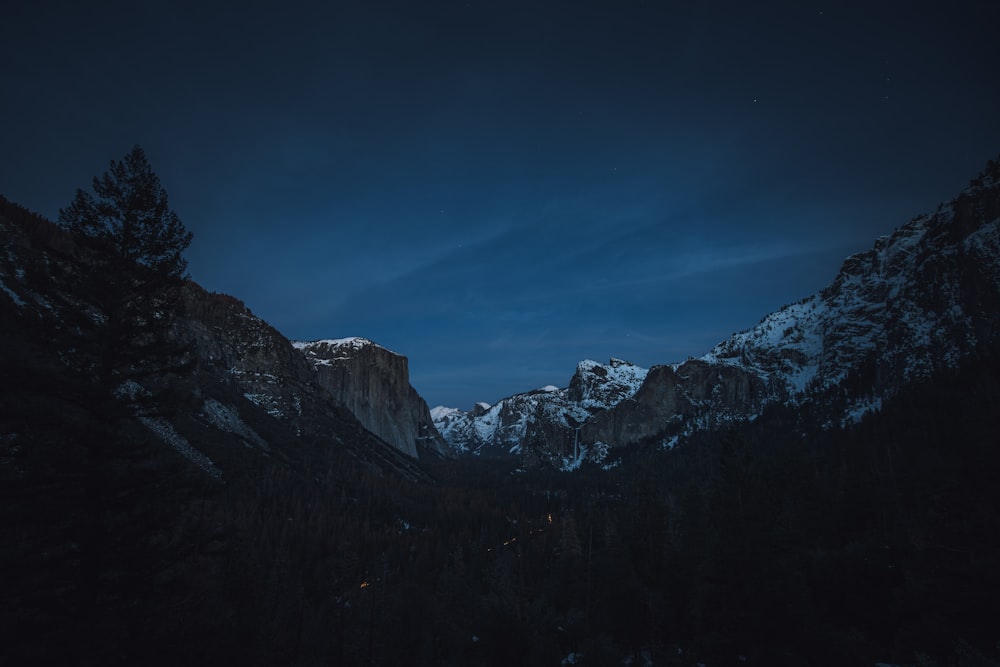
131	282
120	295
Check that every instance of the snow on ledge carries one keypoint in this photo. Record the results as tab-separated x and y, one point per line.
353	341
166	432
339	344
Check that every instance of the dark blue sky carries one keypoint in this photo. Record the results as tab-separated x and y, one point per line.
498	190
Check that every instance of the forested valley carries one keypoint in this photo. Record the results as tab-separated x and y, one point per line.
765	544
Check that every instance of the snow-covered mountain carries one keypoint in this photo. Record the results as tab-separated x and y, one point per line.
546	418
920	299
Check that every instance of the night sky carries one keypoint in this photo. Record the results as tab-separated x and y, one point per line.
498	190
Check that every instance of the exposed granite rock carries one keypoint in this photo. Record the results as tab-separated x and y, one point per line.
672	396
374	384
231	340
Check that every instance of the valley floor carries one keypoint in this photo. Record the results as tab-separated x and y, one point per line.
765	545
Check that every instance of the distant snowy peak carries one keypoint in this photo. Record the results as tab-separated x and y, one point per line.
441	412
500	429
596	385
545	414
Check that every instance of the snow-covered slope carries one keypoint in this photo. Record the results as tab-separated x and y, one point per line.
601	386
912	303
920	299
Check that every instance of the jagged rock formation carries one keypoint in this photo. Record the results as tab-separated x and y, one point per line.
672	396
600	386
921	299
230	340
374	384
546	418
543	415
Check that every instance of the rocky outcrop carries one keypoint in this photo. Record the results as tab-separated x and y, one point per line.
672	397
374	384
231	341
595	385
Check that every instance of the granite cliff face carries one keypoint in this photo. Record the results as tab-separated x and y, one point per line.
374	384
919	300
672	397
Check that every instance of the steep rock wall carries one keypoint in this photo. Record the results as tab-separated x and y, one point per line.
374	384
